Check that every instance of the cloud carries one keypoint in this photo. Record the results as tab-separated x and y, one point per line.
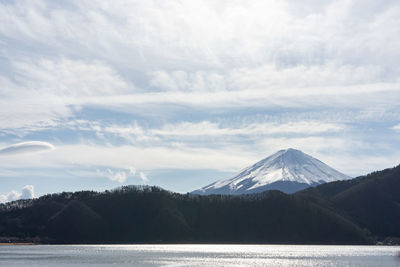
222	156
383	95
349	155
50	90
207	128
115	174
132	170
234	33
135	133
143	177
71	78
266	53
119	177
28	192
11	196
26	147
396	127
196	82
268	77
175	156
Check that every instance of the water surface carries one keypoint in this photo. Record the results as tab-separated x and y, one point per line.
198	255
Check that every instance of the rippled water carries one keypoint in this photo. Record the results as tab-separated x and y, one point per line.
198	255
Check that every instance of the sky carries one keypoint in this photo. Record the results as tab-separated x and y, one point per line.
99	94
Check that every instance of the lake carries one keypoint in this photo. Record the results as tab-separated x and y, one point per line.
198	255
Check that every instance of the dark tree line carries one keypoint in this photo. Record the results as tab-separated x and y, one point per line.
357	211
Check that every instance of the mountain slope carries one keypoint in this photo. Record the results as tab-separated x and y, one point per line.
372	201
153	215
287	170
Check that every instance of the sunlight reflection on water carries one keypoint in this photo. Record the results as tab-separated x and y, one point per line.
198	255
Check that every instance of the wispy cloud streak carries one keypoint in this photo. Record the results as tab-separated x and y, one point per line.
26	147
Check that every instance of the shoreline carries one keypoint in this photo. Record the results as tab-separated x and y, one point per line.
122	244
18	244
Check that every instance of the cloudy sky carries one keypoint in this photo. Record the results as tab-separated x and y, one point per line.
99	94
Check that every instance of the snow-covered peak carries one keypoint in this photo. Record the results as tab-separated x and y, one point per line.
283	167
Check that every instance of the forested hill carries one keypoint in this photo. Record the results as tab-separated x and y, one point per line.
357	211
371	201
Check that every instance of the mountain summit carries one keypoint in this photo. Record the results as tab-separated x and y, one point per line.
288	170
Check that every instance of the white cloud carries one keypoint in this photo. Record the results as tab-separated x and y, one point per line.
143	177
384	96
177	156
132	170
336	151
131	132
223	156
11	196
115	173
268	77
43	92
183	81
234	33
267	53
70	78
183	139
26	147
119	177
137	134
396	127
207	128
28	192
191	68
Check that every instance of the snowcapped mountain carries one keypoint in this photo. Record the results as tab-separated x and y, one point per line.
288	170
